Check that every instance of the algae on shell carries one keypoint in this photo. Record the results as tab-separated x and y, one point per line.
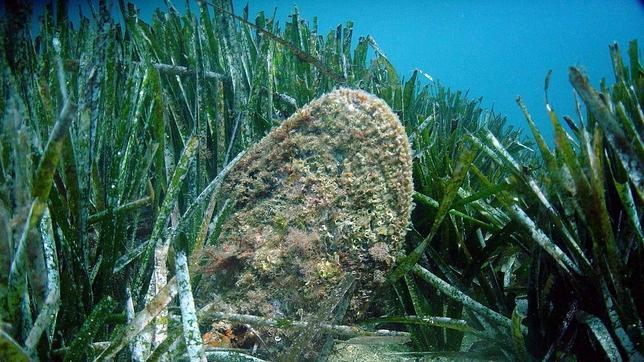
324	195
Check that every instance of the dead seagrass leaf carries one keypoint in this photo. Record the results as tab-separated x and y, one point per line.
325	195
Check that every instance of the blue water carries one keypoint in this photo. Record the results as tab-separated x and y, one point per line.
494	49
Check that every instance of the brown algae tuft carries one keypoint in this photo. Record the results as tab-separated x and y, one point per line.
326	194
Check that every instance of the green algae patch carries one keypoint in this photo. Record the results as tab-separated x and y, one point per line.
325	195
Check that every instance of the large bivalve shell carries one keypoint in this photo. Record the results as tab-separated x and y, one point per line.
325	195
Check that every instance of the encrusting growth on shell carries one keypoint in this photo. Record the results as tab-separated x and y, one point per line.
326	193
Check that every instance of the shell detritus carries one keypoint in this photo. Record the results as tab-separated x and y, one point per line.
325	194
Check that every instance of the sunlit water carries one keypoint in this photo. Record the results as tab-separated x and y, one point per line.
493	49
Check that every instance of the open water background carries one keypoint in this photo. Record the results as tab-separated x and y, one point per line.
493	49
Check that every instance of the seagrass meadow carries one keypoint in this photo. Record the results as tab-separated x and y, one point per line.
131	176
